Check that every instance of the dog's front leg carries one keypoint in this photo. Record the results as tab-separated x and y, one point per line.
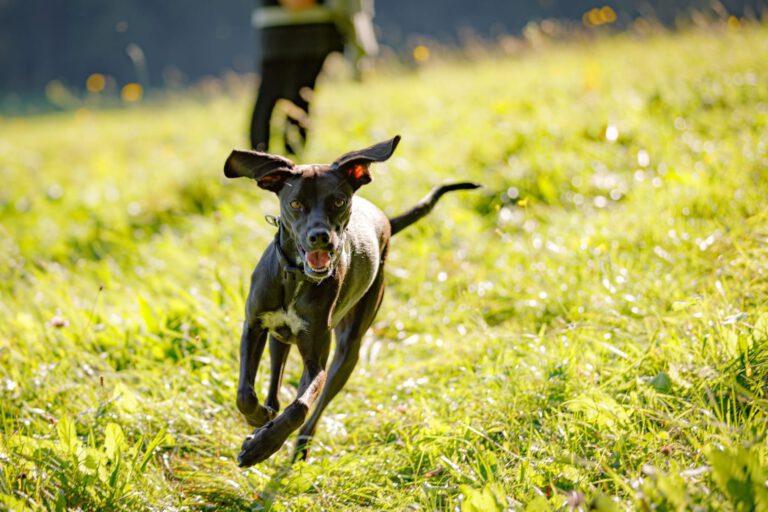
252	343
268	439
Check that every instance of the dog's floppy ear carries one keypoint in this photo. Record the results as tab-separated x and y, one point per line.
269	171
355	165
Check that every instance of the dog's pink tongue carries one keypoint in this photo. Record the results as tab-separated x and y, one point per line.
318	259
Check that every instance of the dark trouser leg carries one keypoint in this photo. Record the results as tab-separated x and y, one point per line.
274	75
304	77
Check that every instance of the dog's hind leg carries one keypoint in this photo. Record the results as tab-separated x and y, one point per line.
278	355
349	336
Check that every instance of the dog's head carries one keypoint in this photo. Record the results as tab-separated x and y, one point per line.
315	200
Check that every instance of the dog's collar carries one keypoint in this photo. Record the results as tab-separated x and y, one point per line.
285	262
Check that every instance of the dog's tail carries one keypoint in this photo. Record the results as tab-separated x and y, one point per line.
425	206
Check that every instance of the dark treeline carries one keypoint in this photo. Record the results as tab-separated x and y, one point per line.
166	42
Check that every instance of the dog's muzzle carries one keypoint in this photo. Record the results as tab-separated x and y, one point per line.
318	264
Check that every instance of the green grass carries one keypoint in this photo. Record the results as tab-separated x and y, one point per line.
591	329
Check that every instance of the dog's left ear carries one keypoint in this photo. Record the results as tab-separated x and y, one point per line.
270	171
355	165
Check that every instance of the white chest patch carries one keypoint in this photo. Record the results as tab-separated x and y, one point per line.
275	320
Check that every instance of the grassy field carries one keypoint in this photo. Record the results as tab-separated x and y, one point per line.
589	330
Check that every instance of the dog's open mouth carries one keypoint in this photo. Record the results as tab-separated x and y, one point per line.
318	261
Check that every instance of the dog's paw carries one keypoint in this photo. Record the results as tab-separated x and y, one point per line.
260	415
260	445
266	440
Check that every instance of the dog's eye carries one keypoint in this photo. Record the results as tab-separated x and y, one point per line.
296	205
339	202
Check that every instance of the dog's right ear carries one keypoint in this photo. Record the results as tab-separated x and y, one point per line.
269	171
355	165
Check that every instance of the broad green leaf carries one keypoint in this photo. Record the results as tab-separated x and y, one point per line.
147	315
114	441
68	435
10	503
490	498
661	383
538	504
124	399
600	409
760	329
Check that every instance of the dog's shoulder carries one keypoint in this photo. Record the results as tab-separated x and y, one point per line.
368	221
265	282
366	211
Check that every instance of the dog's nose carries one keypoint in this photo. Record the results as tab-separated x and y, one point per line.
318	237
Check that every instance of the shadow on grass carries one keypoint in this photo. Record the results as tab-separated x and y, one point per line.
205	490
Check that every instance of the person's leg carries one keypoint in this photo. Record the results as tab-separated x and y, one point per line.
274	74
304	75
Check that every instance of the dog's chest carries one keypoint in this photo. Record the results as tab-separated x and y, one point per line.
285	324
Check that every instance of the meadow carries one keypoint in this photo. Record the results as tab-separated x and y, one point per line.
590	330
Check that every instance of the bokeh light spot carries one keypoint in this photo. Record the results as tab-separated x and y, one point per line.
96	83
421	53
132	92
599	16
607	14
643	159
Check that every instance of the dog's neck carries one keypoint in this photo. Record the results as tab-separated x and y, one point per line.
287	251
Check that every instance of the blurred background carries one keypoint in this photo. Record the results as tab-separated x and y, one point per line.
588	332
51	50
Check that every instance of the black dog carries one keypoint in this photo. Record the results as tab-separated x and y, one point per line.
324	271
